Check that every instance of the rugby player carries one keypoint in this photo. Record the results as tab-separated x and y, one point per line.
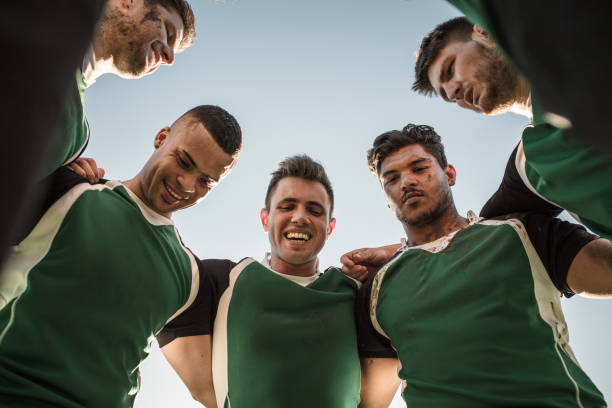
467	314
459	62
103	270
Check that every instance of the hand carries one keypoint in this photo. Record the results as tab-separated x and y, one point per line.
364	262
87	167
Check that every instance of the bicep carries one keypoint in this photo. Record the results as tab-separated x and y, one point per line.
191	358
379	382
590	273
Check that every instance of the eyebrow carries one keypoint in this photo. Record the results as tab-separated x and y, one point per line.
412	163
193	163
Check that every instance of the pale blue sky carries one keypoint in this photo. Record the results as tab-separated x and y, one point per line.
316	77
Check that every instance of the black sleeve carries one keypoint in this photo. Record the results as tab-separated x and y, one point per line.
55	186
370	343
199	317
557	243
514	196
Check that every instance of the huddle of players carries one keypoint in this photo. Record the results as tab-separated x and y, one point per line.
465	312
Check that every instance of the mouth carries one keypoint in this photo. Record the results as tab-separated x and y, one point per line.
410	197
297	236
173	196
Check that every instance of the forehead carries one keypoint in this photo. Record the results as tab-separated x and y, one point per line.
404	156
193	138
450	50
301	190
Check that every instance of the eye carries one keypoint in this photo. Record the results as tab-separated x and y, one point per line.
182	162
315	211
285	207
420	169
391	179
449	70
207	183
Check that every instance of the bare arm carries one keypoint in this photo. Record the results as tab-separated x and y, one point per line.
379	382
590	273
191	358
363	262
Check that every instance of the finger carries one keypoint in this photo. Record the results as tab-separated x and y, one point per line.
91	175
346	260
74	166
363	276
101	173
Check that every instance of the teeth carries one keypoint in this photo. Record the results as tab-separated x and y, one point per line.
173	194
298	235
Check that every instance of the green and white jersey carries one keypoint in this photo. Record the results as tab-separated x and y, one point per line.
83	295
73	130
475	318
278	343
550	163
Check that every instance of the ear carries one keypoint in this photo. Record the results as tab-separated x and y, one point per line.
161	138
451	174
330	227
481	36
263	216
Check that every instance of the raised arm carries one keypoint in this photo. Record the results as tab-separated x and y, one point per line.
379	382
191	358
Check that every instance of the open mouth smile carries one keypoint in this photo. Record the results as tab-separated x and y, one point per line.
173	195
298	236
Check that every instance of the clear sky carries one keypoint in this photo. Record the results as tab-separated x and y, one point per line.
322	78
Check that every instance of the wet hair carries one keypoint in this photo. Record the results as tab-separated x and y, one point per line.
392	141
184	10
457	29
221	125
300	166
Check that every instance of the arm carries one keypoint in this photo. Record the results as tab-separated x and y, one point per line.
364	262
379	382
191	358
590	273
186	340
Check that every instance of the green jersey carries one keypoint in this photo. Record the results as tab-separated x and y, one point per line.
475	319
73	129
278	343
82	296
550	163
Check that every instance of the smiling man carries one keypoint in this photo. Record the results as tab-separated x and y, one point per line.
103	270
469	307
284	334
132	39
549	170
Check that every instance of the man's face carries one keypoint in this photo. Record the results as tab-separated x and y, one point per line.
475	76
298	222
186	165
417	189
142	38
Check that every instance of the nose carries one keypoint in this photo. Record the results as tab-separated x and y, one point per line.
408	180
299	216
452	90
167	55
187	182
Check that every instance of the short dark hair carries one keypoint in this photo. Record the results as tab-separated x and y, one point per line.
221	125
392	141
301	166
457	29
184	10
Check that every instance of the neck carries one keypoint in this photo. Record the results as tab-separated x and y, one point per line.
522	104
135	186
448	222
281	266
